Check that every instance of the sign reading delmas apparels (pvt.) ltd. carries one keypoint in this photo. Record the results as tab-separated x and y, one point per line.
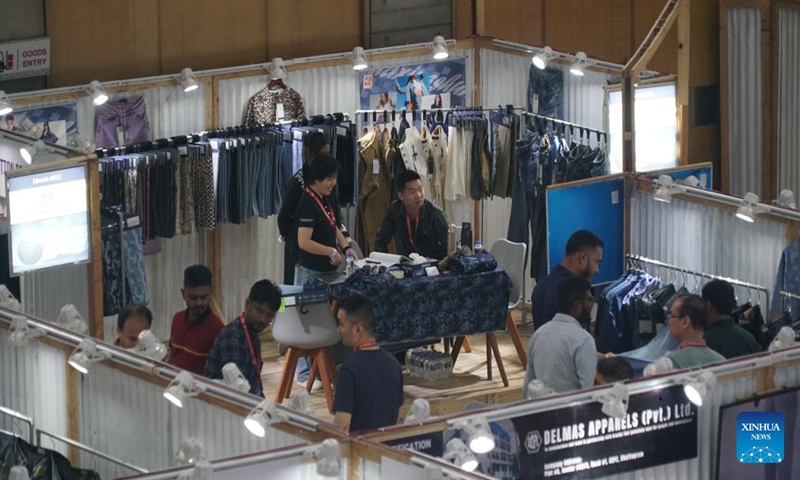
25	58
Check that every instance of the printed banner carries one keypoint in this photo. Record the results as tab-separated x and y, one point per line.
429	443
427	86
583	442
56	124
26	58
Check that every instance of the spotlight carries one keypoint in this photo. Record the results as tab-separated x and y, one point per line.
457	453
5	104
29	152
538	389
697	388
439	48
542	57
786	199
189	80
82	145
328	456
232	377
578	64
665	187
8	300
266	413
784	339
70	319
615	401
85	355
479	433
749	208
20	333
359	59
190	452
98	93
19	473
692	181
277	68
202	471
659	367
301	402
419	412
181	388
149	346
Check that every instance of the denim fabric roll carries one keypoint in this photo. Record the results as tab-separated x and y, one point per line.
481	261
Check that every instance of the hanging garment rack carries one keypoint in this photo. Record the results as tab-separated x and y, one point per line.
571	125
425	112
636	259
789	295
191	138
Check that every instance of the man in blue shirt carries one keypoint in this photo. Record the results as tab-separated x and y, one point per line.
238	342
583	256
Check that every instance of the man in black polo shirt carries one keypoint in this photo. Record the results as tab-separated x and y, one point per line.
369	385
583	256
722	335
417	225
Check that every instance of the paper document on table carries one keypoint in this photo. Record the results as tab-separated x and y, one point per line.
388	259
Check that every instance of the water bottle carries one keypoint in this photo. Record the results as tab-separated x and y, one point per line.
478	246
466	234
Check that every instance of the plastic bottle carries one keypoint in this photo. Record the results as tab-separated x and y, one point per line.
466	234
478	245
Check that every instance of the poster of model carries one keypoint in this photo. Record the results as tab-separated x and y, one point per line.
56	124
426	86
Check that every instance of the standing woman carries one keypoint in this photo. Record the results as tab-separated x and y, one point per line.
314	144
322	244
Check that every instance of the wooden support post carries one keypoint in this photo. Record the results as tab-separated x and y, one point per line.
628	126
72	380
684	76
96	327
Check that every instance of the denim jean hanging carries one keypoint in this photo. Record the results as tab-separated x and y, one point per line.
546	92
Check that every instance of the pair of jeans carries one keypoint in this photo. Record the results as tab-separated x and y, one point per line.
223	167
301	276
546	92
124	117
502	140
521	223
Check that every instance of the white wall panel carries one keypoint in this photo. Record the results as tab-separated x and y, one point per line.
32	382
789	100
788	377
744	98
584	98
706	239
129	419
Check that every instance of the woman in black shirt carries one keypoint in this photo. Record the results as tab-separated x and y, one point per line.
322	244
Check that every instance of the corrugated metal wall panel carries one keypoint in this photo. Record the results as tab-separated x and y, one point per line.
44	293
32	382
584	98
788	377
706	239
744	99
789	100
129	419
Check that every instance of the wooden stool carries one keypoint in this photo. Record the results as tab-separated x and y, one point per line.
321	362
491	349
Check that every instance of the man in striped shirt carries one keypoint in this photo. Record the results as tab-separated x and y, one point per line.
417	225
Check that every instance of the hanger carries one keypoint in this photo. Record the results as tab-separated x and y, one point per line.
276	84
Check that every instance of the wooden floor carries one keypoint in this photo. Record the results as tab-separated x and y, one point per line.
467	383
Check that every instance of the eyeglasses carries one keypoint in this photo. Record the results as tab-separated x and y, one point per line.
673	316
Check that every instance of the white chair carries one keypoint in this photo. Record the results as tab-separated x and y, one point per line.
510	257
308	331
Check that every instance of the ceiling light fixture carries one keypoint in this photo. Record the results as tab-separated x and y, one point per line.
70	319
419	412
181	388
189	80
439	48
785	338
481	439
749	208
150	346
265	413
5	104
202	471
538	389
615	401
30	151
359	59
190	452
8	300
277	69
86	354
301	402
542	57
20	332
457	453
787	199
328	456
693	181
659	367
97	92
697	388
578	64
232	377
665	187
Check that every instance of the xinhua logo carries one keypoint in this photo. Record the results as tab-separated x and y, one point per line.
759	437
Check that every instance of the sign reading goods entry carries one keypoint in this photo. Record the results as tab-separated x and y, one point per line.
26	58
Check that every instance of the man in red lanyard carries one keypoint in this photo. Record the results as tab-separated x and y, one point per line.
417	225
239	343
688	317
369	385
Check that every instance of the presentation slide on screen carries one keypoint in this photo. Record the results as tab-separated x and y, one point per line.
49	224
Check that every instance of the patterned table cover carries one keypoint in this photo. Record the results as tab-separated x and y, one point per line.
427	308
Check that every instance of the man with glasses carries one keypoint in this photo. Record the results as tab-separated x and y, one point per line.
688	317
561	353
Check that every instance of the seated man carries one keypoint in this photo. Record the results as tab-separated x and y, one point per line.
195	328
584	252
613	370
722	335
561	353
238	341
369	385
417	225
131	321
687	321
